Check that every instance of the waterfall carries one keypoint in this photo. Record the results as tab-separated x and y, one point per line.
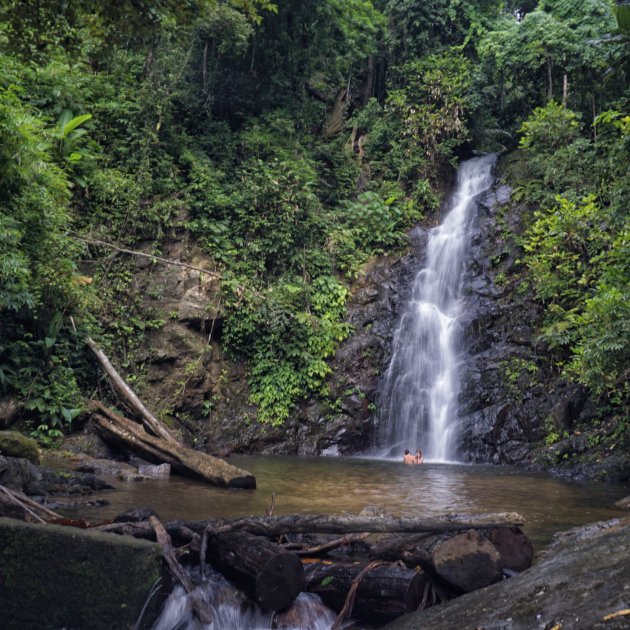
418	399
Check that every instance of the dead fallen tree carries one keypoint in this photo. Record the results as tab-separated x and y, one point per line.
156	443
466	560
347	524
122	431
417	563
129	396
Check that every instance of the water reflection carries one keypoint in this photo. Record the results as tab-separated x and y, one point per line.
335	485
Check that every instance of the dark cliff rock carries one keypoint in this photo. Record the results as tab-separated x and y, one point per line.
344	423
515	407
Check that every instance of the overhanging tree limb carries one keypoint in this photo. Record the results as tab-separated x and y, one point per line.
134	252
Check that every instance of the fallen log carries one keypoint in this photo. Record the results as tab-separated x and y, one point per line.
465	560
268	574
180	534
346	524
383	594
121	430
129	396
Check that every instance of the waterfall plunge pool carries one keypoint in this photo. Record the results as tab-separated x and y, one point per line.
328	485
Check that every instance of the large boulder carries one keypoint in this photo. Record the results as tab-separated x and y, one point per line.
23	476
14	444
63	577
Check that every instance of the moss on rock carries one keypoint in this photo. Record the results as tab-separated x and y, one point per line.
14	444
55	577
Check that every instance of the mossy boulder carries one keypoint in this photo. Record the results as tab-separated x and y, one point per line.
14	444
63	577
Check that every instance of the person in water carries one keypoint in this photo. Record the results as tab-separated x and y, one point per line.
408	458
418	458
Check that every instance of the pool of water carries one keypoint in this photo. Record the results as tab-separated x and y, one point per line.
335	485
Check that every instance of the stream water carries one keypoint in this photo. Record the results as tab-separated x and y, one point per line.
421	385
334	485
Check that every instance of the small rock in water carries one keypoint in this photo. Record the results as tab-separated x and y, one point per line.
163	470
623	504
135	515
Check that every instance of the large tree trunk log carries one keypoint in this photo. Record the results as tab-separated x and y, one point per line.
185	460
346	524
128	395
384	593
268	574
465	560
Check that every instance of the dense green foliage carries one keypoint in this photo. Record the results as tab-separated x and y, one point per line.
118	119
577	245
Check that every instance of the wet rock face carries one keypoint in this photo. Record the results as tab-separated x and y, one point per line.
511	395
576	584
186	375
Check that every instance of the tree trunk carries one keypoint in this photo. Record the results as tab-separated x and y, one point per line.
204	65
268	574
515	549
384	593
345	524
369	82
565	84
183	459
549	75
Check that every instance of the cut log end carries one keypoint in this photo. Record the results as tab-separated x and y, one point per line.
280	582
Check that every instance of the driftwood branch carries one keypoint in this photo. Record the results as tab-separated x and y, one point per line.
202	610
128	395
332	544
158	259
277	525
272	505
22	504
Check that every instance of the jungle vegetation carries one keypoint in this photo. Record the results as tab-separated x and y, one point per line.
298	138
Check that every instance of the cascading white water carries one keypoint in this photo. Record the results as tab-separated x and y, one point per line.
419	398
231	610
